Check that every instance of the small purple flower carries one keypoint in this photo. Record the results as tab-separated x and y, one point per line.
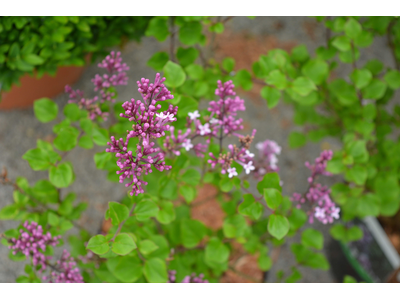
248	167
187	145
204	129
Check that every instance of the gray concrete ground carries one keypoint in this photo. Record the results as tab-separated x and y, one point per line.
19	131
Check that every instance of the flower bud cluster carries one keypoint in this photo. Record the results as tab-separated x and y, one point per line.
148	124
188	279
116	76
267	160
68	272
33	242
239	154
318	196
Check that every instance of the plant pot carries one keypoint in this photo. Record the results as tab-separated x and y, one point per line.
371	259
32	88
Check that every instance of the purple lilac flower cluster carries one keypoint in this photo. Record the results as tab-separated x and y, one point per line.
148	124
322	206
68	272
33	242
267	160
188	279
116	76
220	123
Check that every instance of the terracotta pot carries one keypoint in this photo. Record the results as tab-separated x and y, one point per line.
32	88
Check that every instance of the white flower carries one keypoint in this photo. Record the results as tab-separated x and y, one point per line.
260	146
204	129
162	116
249	167
275	147
335	213
232	172
273	161
170	117
214	121
187	145
194	115
249	154
319	212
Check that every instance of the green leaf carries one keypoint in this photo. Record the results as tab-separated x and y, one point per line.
272	96
169	189
217	27
234	226
123	244
216	251
155	271
174	74
62	175
392	78
98	244
9	212
118	212
297	219
100	136
195	71
344	234
158	27
188	192
303	86
228	64
145	210
306	257
278	226
342	43
357	174
147	246
127	269
101	159
243	79
297	139
294	277
352	28
37	159
45	110
187	56
349	279
264	262
192	232
67	139
191	177
312	238
33	59
300	53
190	33
273	197
158	60
85	142
278	79
52	219
345	92
375	66
375	90
270	180
226	184
72	111
249	207
166	214
361	77
317	70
